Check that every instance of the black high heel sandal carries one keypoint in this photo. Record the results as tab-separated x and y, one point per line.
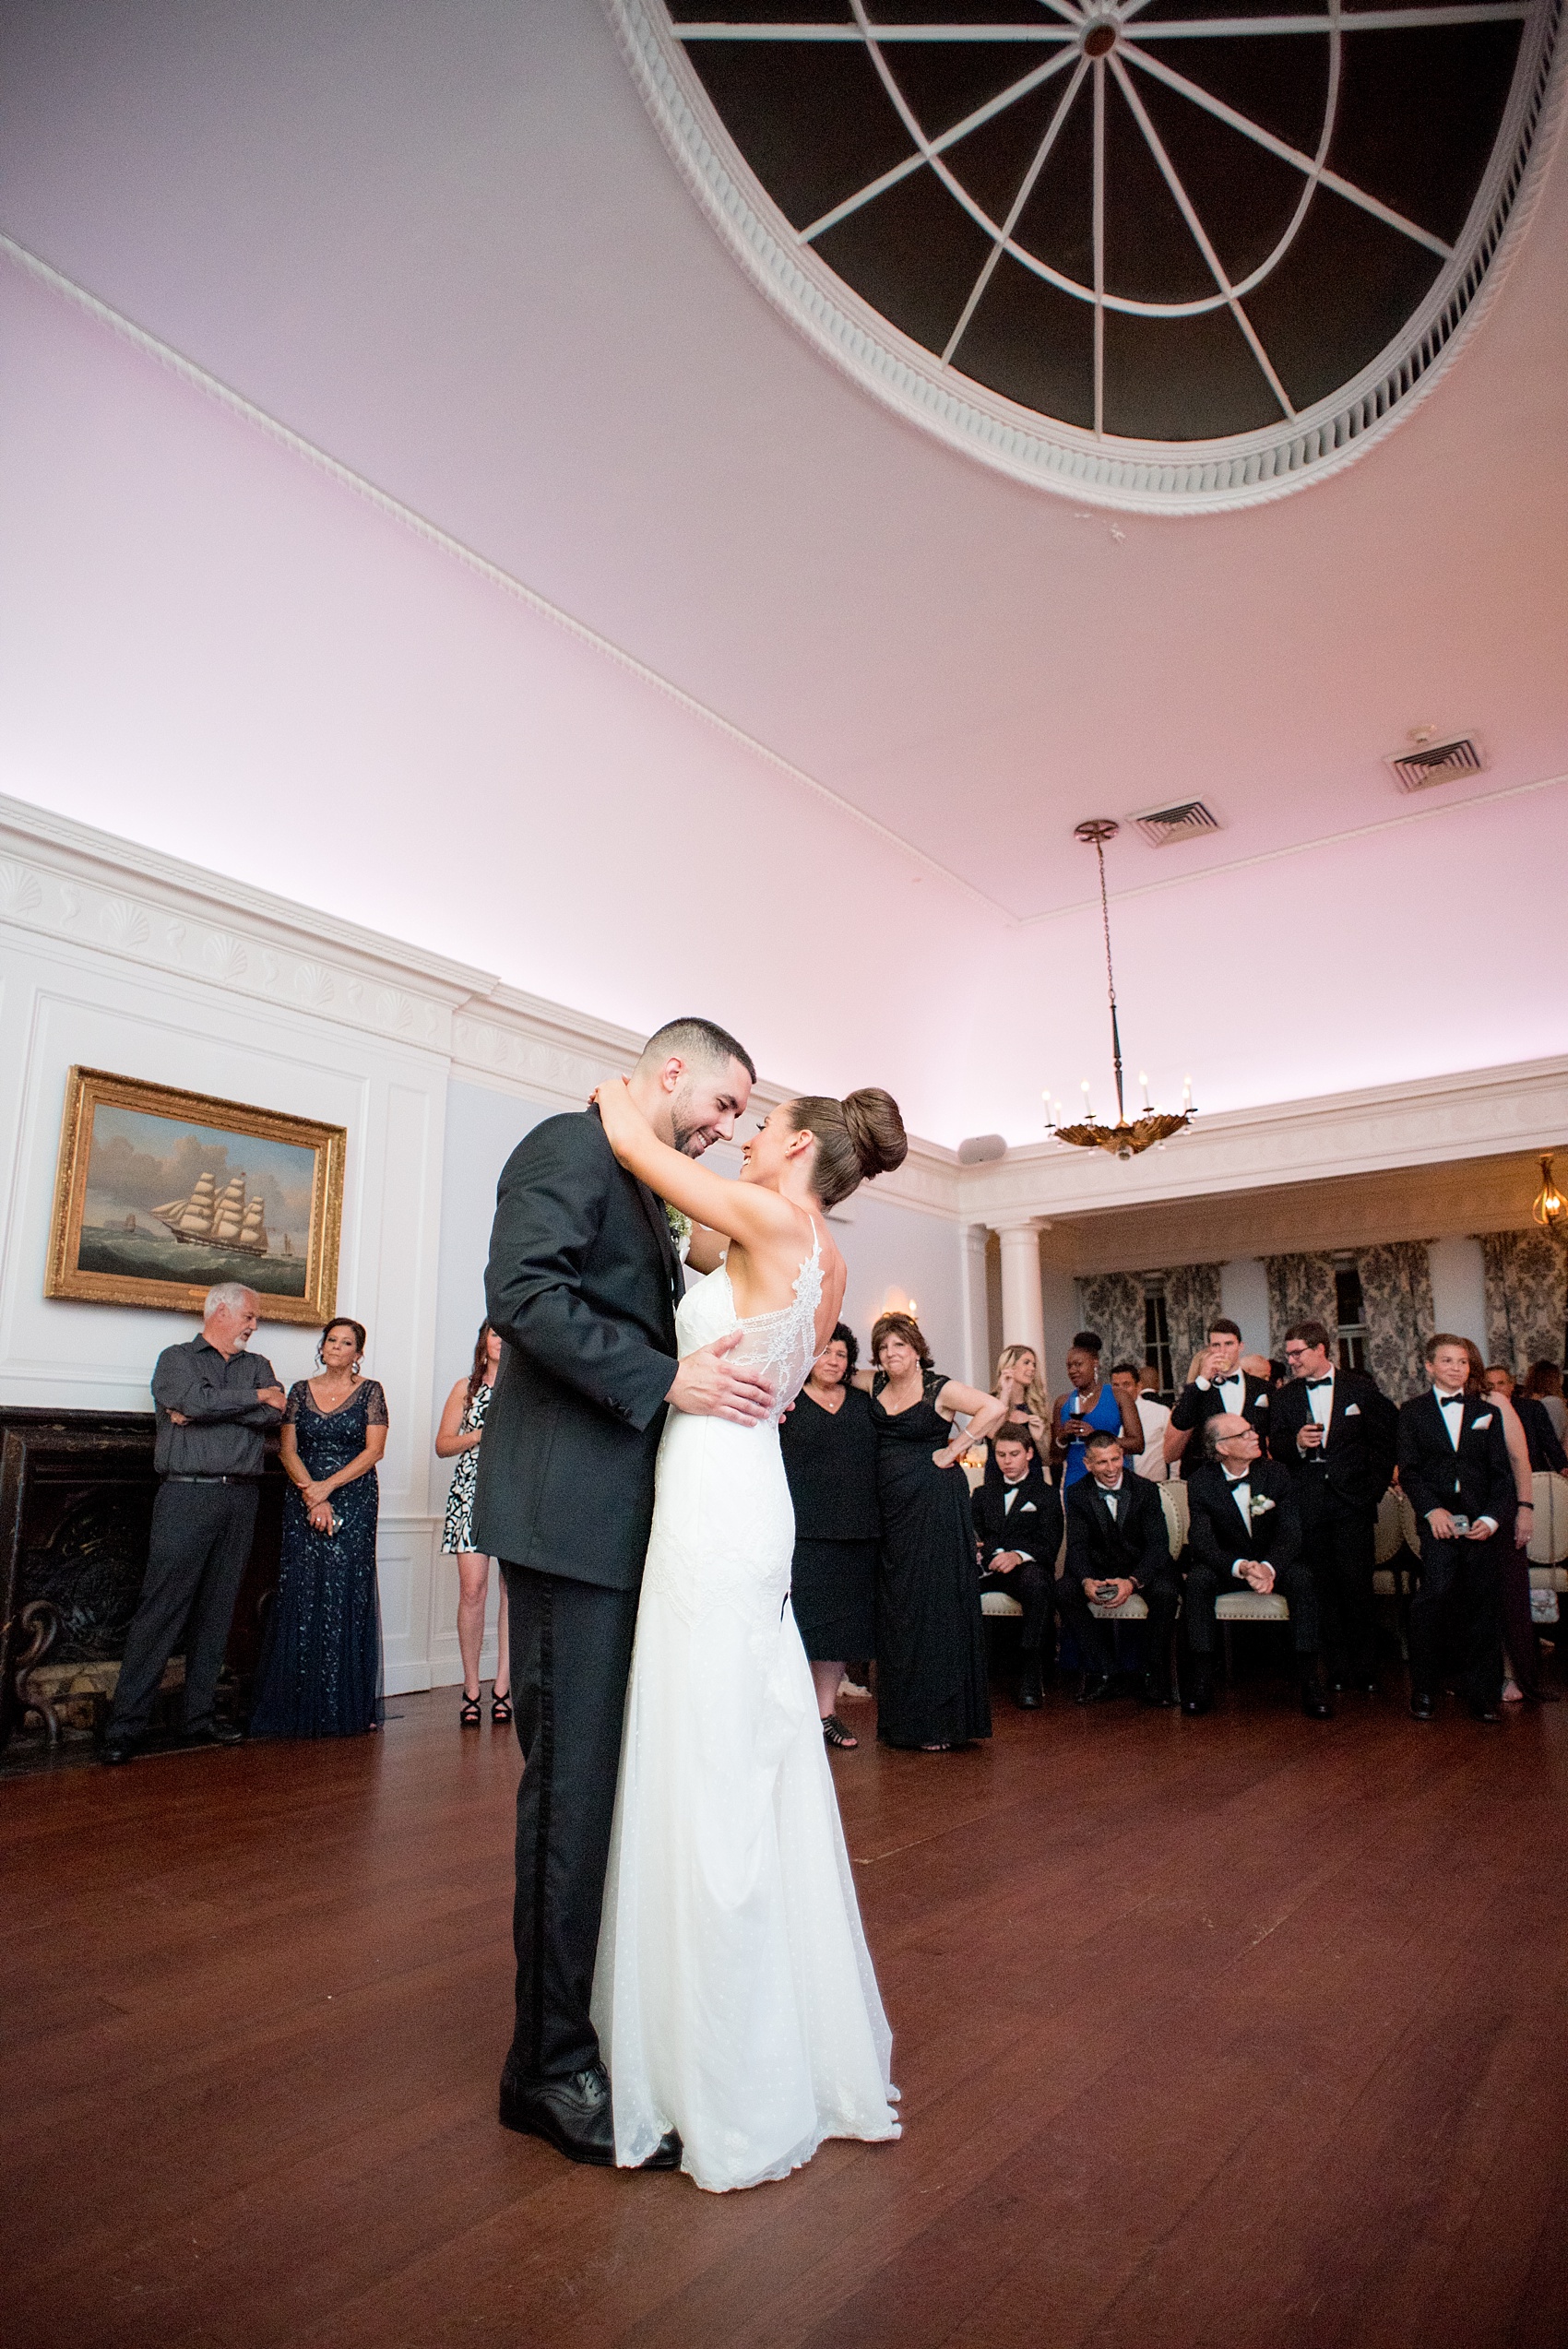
468	1713
835	1734
501	1710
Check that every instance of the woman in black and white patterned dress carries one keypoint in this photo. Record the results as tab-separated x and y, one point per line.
462	1424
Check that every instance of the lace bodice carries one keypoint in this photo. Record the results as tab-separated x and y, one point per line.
781	1345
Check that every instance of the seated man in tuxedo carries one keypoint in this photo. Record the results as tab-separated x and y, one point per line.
1018	1530
1455	1474
1219	1383
1335	1432
1245	1534
1117	1545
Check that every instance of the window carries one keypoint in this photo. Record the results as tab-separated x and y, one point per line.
1156	1334
1349	1314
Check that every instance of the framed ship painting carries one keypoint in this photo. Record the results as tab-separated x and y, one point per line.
162	1194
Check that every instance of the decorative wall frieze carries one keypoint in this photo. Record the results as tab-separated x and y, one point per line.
532	1047
94	892
1474	1114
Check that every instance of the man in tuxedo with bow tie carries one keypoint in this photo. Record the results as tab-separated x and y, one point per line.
1117	1547
1245	1534
1456	1473
1019	1527
1219	1383
581	1287
1335	1432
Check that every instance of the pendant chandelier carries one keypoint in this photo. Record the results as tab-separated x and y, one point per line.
1550	1209
1129	1136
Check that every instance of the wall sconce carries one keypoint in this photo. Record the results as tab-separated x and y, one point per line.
1550	1209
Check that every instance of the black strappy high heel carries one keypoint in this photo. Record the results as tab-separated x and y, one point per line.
468	1713
500	1710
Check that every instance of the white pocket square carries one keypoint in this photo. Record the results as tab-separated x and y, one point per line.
1484	1422
1352	1410
1026	1509
1261	1404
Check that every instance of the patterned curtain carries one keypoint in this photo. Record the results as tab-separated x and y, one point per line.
1300	1288
1192	1302
1397	1308
1527	1297
1112	1306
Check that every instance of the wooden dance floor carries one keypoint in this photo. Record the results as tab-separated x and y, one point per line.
1237	2032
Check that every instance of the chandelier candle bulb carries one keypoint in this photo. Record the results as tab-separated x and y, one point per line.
1142	1079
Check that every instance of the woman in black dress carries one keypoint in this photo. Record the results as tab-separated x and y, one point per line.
320	1672
829	1446
931	1673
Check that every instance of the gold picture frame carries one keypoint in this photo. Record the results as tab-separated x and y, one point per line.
251	1196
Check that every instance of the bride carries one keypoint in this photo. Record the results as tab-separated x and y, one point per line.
734	1997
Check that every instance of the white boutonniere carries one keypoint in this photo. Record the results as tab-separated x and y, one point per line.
1261	1504
679	1229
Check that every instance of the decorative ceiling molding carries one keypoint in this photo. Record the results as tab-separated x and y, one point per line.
90	890
1472	1115
214	389
1240	469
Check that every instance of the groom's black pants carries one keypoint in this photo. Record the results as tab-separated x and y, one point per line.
571	1648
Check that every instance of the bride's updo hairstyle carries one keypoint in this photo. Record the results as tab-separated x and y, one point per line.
858	1136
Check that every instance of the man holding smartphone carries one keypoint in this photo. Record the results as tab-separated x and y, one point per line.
1117	1548
1455	1474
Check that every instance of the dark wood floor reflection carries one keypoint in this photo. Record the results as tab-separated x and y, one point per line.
1236	2032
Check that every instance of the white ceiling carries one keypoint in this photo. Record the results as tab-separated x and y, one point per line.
444	245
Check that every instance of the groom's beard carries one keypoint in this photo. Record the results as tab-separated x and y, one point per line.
690	1140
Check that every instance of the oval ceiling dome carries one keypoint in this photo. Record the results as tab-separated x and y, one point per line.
1155	252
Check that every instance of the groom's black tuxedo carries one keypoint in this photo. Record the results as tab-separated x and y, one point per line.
581	1286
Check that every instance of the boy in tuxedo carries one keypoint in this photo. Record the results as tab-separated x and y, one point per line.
1454	1471
1219	1383
1334	1431
1117	1545
1245	1535
1018	1530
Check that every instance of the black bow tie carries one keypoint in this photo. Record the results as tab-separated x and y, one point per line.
1446	1400
1234	1481
1313	1384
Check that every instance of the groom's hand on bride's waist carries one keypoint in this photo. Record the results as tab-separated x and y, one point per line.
710	1386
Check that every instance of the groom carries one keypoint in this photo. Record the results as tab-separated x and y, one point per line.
582	1287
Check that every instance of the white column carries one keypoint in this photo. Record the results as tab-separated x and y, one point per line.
1023	1307
977	1367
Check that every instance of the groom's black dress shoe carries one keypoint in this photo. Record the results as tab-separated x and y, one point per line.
574	2116
1095	1689
213	1733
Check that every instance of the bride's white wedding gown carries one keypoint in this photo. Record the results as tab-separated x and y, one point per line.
733	1996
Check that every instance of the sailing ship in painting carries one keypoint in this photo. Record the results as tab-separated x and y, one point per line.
215	1218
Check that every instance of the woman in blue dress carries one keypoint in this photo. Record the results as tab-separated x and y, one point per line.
1089	1405
320	1672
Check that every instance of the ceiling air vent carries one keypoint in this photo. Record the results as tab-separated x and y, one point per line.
980	1150
1162	826
1427	762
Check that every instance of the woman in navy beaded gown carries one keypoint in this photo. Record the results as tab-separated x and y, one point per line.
320	1672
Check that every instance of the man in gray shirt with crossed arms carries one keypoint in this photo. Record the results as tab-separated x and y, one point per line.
215	1403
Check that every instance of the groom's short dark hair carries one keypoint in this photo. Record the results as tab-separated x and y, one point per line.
698	1039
